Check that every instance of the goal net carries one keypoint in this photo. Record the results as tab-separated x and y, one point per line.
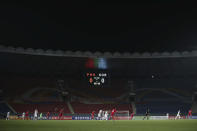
122	115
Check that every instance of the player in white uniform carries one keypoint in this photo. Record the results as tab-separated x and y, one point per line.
23	116
167	115
178	115
100	114
106	115
8	115
35	114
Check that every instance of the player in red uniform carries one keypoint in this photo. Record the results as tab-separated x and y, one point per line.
190	114
132	114
27	115
48	114
93	112
113	113
61	113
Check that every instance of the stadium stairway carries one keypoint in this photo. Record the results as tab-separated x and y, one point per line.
4	108
194	107
10	107
133	107
70	107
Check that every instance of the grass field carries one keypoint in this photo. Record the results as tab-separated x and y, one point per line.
93	125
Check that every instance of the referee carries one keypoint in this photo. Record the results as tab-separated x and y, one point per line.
147	114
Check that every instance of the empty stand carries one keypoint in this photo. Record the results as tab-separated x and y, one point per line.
51	107
88	108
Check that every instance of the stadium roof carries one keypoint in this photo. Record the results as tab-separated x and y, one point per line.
69	53
74	64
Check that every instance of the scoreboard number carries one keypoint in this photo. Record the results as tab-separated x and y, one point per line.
97	79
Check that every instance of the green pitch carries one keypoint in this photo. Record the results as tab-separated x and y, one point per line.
88	125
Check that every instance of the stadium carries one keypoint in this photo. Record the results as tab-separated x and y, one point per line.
47	89
53	80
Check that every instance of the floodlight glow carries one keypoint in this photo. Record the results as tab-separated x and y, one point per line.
102	64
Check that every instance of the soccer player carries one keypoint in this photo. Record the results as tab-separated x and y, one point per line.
106	115
147	114
8	116
167	115
23	116
99	114
27	115
132	114
190	114
48	114
36	114
40	116
178	115
61	113
113	113
93	112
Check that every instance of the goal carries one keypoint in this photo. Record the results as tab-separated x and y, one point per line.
122	115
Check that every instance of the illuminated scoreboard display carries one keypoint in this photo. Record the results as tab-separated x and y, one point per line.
99	79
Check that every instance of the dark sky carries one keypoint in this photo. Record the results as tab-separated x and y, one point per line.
94	26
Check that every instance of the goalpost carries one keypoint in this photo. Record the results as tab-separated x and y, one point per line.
122	115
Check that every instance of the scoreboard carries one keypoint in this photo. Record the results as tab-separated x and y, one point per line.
97	79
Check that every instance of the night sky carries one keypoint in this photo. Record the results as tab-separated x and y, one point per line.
94	26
